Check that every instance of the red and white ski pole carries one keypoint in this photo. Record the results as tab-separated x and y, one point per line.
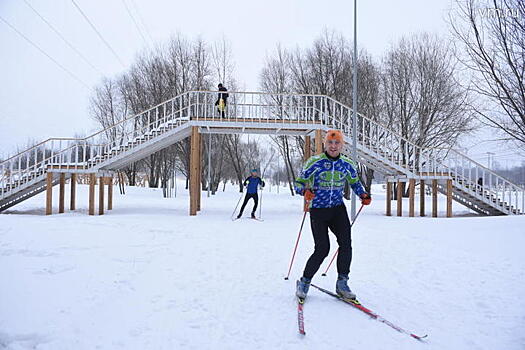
337	251
306	205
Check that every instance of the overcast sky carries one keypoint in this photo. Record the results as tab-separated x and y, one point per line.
41	100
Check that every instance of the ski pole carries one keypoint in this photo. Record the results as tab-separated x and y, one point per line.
306	205
235	210
337	251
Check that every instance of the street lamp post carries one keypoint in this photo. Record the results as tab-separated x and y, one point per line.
354	109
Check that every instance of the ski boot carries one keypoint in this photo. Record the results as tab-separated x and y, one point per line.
303	284
342	289
239	216
253	216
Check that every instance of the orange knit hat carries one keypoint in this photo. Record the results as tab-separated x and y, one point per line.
334	135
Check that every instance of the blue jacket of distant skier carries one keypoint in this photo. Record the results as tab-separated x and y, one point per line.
326	177
253	183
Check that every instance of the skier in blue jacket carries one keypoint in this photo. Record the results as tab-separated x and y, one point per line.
252	183
322	182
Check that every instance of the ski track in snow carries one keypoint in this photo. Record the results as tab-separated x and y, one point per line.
148	276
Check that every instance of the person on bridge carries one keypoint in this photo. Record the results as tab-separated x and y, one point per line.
252	184
321	182
222	99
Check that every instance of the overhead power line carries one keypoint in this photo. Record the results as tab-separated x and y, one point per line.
135	22
98	33
142	20
45	53
63	38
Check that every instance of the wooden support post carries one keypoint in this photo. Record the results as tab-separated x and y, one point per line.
307	148
91	205
399	198
110	192
421	197
49	193
434	198
194	157
388	198
411	195
449	198
61	193
101	196
318	141
72	201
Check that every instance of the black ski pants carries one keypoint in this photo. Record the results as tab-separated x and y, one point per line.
335	219
255	197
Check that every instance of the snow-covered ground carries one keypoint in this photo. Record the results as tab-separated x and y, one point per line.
148	276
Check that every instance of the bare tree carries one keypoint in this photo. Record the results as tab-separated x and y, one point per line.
291	163
156	75
421	95
214	146
422	99
108	107
492	34
325	68
236	157
223	64
276	78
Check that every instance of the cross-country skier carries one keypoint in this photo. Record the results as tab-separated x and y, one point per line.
321	182
252	183
222	99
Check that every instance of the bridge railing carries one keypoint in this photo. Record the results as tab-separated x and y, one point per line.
257	107
474	178
28	164
373	136
418	161
83	153
410	159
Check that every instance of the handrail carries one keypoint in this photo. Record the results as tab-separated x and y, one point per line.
479	165
40	144
154	107
400	152
96	133
259	93
425	148
375	122
168	101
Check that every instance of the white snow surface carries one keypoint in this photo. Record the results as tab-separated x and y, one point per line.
148	276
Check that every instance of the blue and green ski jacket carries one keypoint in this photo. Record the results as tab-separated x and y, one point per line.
326	177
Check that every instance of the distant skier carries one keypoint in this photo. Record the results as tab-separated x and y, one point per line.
252	183
322	181
222	100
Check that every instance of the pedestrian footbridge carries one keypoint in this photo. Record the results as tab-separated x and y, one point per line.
194	113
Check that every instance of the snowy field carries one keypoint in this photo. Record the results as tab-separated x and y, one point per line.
148	276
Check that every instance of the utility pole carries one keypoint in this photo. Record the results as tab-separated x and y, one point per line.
354	108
